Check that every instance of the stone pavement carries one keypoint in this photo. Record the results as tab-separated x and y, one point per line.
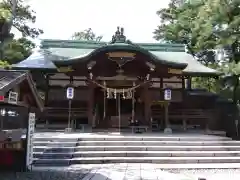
123	172
136	172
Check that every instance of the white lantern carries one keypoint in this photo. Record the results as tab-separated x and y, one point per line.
115	94
167	94
70	93
108	93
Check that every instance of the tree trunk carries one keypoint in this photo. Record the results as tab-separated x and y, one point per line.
6	27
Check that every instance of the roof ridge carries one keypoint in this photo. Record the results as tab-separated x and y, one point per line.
78	42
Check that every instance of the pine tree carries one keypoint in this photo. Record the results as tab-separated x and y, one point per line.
205	25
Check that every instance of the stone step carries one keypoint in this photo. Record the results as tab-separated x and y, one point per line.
156	154
135	148
53	149
45	155
50	139
136	154
55	143
157	160
160	138
160	143
73	136
134	143
157	148
51	162
134	138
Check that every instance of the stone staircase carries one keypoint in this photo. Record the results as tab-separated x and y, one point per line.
163	149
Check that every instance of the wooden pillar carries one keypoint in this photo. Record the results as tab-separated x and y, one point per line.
167	123
46	95
183	90
47	91
147	103
161	120
161	89
183	82
90	104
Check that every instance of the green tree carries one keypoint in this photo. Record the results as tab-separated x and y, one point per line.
218	25
211	84
4	64
224	25
20	17
230	80
177	26
6	19
86	35
23	18
203	25
17	50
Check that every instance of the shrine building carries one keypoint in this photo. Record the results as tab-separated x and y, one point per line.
119	81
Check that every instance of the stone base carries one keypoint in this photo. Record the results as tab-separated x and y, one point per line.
168	131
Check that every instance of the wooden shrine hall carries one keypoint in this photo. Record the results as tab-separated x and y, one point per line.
120	81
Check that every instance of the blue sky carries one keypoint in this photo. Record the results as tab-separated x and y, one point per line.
60	18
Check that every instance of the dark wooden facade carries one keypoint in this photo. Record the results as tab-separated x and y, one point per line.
88	103
119	67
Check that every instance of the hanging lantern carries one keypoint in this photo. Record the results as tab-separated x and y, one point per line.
111	95
108	93
115	94
123	94
91	76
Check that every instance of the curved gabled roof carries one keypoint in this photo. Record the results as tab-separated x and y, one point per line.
69	51
87	55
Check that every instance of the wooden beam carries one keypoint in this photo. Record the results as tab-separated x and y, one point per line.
161	88
147	103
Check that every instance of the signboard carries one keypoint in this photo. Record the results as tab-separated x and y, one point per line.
13	97
174	71
70	93
167	94
121	55
65	69
31	129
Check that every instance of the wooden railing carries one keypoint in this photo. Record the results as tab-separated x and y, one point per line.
184	114
63	112
188	117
